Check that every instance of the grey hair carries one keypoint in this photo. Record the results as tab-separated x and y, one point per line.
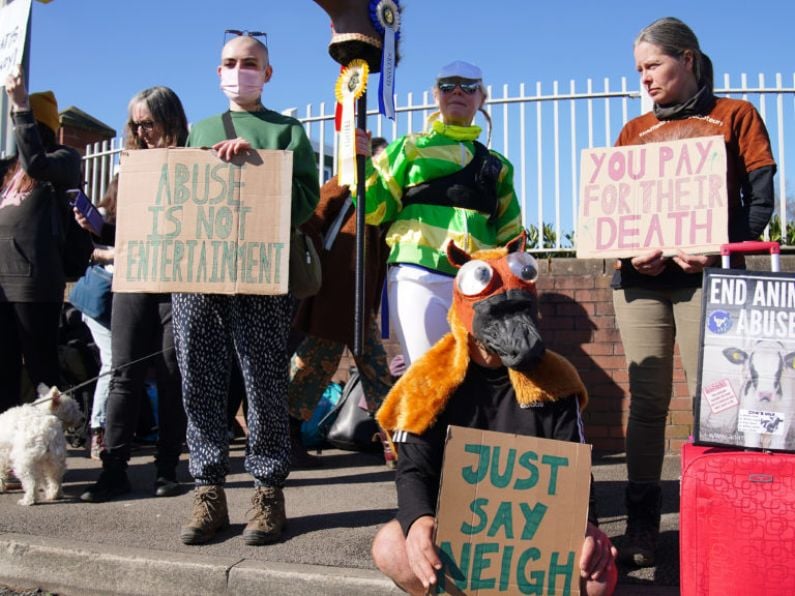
674	38
166	110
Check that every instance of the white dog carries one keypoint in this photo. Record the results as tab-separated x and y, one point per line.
32	444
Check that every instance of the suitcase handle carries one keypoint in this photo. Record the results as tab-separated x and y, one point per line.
752	247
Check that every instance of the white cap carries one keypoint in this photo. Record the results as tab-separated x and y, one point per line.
460	69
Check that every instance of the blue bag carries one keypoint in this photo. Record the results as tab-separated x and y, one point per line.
314	430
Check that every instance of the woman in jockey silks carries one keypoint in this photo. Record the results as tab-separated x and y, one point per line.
433	187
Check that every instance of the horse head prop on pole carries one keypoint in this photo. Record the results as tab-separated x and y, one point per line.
364	40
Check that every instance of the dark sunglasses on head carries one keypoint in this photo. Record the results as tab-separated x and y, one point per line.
467	87
229	33
147	125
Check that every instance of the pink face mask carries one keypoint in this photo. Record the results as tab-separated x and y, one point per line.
243	86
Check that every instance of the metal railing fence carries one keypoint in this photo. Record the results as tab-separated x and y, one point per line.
542	132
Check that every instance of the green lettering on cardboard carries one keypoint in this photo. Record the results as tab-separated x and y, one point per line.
265	251
481	562
252	262
199	200
229	261
179	253
458	572
143	261
241	223
532	519
174	215
505	568
201	269
163	185
502	518
564	570
474	475
191	250
205	216
526	461
132	249
554	462
155	257
222	191
477	508
535	583
165	259
223	222
155	211
277	258
234	185
501	480
181	178
215	277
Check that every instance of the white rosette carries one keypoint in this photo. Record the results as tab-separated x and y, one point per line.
351	84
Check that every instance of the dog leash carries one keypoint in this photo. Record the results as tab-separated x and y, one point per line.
110	372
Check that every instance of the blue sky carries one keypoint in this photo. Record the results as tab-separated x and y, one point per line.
95	54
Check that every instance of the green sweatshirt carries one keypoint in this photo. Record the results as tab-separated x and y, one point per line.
270	130
419	233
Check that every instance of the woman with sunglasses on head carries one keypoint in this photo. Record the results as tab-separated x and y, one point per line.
657	299
433	187
141	326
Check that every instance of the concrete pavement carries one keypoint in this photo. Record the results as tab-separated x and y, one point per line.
132	546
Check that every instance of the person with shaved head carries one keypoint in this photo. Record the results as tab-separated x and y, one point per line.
211	329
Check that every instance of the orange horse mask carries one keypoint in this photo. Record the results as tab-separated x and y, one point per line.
496	300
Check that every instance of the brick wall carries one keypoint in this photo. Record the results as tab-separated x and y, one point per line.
578	322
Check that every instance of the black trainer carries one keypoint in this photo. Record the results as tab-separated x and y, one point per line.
300	459
644	509
167	487
112	482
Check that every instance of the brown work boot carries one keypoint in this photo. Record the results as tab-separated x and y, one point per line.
269	518
210	515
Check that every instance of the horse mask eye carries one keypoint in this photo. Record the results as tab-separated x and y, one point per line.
474	277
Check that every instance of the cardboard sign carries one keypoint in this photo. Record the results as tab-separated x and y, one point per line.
190	222
13	31
667	196
746	380
512	513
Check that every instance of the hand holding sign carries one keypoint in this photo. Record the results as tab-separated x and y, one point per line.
228	148
597	561
15	88
423	560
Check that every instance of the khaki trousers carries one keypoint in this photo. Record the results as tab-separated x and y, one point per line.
650	321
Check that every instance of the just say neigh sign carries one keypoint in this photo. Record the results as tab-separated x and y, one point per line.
512	513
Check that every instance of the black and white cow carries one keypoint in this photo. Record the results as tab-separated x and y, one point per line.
767	386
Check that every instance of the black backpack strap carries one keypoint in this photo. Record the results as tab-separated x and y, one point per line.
229	127
472	187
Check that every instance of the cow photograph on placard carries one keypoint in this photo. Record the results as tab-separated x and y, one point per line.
746	381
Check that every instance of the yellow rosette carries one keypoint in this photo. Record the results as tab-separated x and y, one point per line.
350	86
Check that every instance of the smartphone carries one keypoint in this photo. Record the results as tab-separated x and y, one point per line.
79	200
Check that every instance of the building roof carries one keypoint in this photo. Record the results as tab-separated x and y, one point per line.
77	118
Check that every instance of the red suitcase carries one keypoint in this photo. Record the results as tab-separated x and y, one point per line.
737	522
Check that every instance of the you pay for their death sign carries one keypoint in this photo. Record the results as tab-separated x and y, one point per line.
669	196
511	514
190	222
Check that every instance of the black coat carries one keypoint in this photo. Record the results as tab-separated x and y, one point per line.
31	268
